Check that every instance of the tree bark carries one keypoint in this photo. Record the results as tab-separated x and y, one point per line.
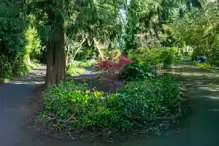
55	50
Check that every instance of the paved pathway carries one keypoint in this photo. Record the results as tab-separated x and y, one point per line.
202	128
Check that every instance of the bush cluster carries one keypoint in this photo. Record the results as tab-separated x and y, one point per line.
155	56
74	106
18	42
137	71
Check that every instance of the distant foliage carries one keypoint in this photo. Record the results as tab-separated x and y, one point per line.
146	55
34	45
168	57
19	42
12	33
154	56
200	30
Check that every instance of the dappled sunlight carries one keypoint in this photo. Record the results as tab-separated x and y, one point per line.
28	82
103	72
36	77
212	97
214	110
214	88
196	76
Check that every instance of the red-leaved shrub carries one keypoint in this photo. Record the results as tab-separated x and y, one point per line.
113	66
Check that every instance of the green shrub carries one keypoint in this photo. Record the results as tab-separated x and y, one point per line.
168	57
137	71
138	104
213	58
146	55
147	100
6	69
34	45
14	42
154	56
140	54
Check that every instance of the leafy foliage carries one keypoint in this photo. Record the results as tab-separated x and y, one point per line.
154	56
146	20
200	30
34	44
137	71
6	69
113	65
139	103
146	55
13	41
168	57
75	70
19	42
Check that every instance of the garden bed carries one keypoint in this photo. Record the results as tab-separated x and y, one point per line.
74	110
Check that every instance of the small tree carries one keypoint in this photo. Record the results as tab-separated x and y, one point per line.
113	66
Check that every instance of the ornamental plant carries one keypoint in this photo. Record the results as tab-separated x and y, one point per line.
113	66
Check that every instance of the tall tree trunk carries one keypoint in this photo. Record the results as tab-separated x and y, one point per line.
56	53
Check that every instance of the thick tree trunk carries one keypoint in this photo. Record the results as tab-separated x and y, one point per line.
56	53
55	62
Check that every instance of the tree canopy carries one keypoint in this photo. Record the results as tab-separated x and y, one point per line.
65	28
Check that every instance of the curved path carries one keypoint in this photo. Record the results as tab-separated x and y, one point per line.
201	128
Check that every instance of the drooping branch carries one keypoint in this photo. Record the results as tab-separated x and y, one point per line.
97	45
80	46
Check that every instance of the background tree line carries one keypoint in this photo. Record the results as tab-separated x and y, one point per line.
63	30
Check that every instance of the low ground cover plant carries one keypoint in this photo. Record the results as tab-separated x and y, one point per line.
75	107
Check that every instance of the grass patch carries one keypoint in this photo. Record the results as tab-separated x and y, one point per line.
85	63
74	70
78	67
